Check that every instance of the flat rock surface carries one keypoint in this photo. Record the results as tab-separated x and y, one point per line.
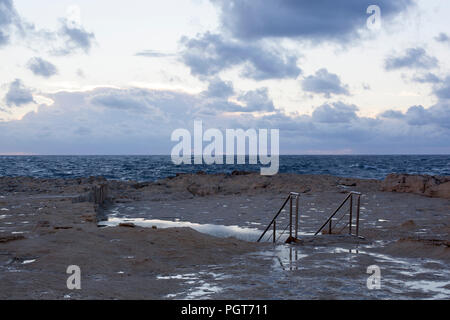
45	227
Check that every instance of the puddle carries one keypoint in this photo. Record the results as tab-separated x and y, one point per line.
221	231
434	287
198	286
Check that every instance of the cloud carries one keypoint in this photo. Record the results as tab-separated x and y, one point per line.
208	54
43	68
69	38
324	83
219	88
366	86
437	115
337	112
443	91
442	37
257	100
417	115
393	114
18	94
9	20
75	37
303	19
140	121
153	54
413	58
426	78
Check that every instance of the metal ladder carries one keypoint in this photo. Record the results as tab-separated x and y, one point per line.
290	198
350	221
293	226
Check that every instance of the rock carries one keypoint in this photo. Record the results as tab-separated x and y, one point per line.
140	185
431	186
410	224
127	225
11	238
293	240
440	191
202	190
240	173
347	182
89	217
98	195
123	200
43	224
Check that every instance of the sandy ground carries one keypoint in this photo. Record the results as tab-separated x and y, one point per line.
44	228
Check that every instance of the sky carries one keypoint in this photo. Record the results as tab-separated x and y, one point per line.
115	77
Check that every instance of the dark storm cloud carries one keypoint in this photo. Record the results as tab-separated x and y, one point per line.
18	94
41	67
415	58
325	83
304	19
208	54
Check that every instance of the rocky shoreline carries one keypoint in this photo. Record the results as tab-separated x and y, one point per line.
48	224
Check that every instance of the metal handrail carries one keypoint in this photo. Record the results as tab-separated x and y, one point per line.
273	222
330	221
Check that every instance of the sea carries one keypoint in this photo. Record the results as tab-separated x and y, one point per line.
154	167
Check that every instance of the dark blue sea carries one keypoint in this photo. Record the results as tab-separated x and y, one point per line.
150	168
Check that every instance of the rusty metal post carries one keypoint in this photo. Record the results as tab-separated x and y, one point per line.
290	258
351	215
296	216
274	231
357	215
329	226
290	216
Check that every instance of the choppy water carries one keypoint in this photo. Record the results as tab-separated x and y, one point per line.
148	168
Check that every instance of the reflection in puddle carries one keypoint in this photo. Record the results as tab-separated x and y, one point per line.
287	256
247	234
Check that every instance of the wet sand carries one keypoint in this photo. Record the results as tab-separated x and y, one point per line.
47	225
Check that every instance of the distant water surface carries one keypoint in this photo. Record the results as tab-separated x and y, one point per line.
150	168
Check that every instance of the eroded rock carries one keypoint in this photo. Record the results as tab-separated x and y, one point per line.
431	186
